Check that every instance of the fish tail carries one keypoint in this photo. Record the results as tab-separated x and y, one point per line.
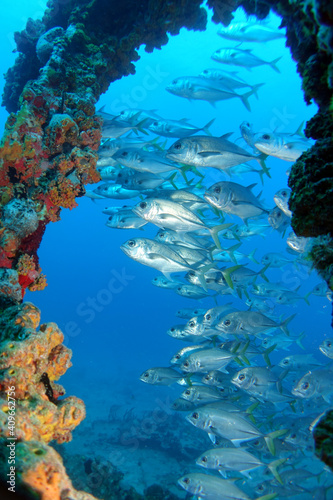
261	173
270	496
306	298
251	256
245	99
226	274
273	468
284	324
299	131
171	179
273	64
262	272
261	160
266	353
255	88
214	233
231	251
299	340
270	439
206	127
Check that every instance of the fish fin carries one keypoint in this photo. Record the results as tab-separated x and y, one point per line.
299	130
226	274
206	127
223	473
269	438
306	298
270	496
266	353
244	98
215	231
261	160
251	256
273	64
262	272
251	186
212	437
284	324
231	251
226	136
273	468
255	88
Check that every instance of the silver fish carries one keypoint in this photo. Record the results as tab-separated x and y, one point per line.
198	88
162	282
189	313
249	32
160	376
204	151
281	199
144	161
278	219
326	347
201	394
243	58
125	220
315	384
251	322
233	459
235	199
154	254
281	146
297	362
116	192
177	129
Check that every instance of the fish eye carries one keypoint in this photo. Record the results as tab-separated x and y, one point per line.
186	480
222	390
208	317
285	362
188	392
174	82
179	288
278	214
177	356
131	243
256	442
329	344
172	329
186	364
217	190
241	377
204	459
305	386
227	322
283	193
260	488
233	54
293	436
191	273
126	181
178	145
124	154
195	416
155	124
146	374
266	137
143	204
191	324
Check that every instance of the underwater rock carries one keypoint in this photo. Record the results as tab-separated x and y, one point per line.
20	216
45	43
9	284
323	436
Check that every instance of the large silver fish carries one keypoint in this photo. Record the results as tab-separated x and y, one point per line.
243	58
196	87
250	32
235	199
204	151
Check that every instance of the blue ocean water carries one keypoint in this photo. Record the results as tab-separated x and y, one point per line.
113	318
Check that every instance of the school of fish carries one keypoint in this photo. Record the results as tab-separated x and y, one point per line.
257	416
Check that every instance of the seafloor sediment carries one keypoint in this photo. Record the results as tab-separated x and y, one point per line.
49	152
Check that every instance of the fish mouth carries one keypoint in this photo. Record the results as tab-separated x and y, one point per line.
125	249
210	198
136	211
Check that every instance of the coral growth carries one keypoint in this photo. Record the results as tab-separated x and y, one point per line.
323	436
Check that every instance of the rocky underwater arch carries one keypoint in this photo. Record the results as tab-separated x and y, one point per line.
48	154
